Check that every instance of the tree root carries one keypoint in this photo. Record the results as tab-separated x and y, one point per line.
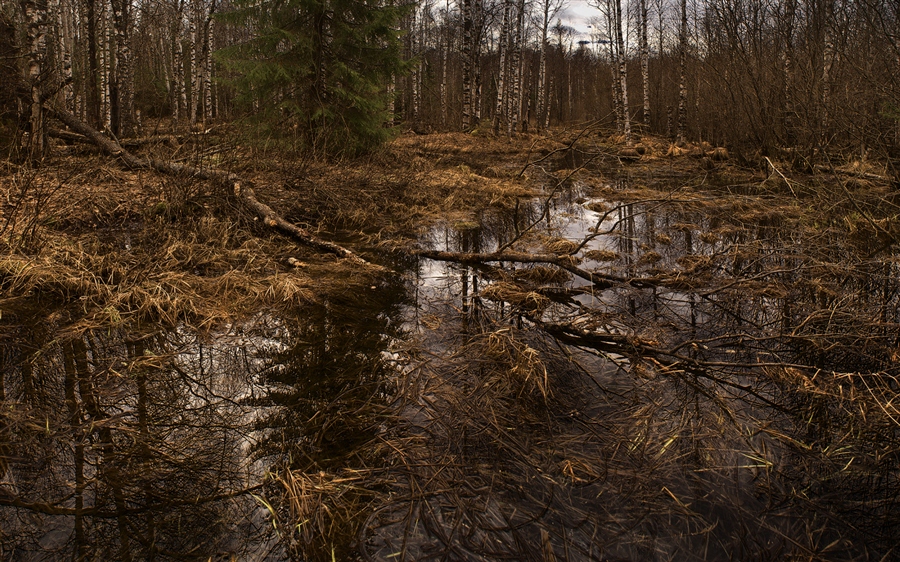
230	181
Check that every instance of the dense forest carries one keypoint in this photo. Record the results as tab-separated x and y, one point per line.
383	280
753	75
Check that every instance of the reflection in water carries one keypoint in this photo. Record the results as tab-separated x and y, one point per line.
120	444
506	411
143	446
714	442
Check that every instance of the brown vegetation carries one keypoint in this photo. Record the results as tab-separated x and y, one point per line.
720	374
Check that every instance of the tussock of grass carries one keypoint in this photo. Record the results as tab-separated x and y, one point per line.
542	275
200	278
601	255
516	296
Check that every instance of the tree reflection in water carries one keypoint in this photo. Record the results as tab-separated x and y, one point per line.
722	387
153	445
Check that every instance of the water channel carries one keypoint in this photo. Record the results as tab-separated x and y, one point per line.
451	423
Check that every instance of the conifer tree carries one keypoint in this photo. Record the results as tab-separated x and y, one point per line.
320	68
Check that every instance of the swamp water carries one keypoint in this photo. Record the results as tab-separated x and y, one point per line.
434	416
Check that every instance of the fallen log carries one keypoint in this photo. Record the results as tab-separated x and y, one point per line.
230	181
68	136
563	261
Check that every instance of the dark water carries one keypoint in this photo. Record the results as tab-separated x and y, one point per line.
491	439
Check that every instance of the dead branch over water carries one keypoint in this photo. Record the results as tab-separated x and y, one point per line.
699	374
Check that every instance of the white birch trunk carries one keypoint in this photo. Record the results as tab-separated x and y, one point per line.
179	90
623	73
515	103
682	80
645	64
193	16
35	21
468	70
501	77
207	64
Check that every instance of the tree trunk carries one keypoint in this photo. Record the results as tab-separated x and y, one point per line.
445	56
613	49
468	73
124	73
623	73
682	80
645	64
193	16
501	76
35	12
207	63
104	70
515	98
179	89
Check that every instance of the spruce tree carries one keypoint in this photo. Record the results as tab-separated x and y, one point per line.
318	68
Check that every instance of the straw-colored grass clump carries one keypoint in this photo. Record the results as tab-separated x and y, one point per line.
199	278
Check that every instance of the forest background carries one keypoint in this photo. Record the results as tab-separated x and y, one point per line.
758	76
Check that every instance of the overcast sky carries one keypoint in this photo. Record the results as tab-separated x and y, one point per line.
577	14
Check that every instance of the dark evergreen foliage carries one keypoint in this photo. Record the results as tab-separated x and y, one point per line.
318	69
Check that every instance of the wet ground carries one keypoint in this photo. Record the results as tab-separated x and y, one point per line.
722	390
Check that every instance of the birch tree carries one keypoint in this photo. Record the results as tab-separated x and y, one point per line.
682	81
514	113
547	10
35	14
623	73
124	72
645	62
501	74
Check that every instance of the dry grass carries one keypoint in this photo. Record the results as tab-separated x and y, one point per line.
201	278
668	440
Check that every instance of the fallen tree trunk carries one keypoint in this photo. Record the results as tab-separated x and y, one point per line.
230	181
563	261
68	136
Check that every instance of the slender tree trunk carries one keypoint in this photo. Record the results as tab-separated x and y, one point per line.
207	63
519	61
501	76
613	48
645	64
392	100
179	89
35	12
445	56
124	82
682	80
515	65
828	55
468	73
193	16
787	70
414	40
105	65
549	104
63	33
549	10
623	73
